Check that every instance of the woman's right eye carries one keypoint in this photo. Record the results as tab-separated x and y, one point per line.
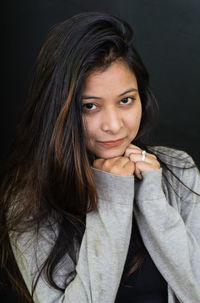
89	106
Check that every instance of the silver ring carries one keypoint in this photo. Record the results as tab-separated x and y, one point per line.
143	155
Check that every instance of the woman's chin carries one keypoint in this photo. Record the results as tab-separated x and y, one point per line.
110	154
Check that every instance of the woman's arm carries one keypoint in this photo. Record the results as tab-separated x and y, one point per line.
173	240
103	249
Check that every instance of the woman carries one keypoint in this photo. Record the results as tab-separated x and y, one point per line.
89	211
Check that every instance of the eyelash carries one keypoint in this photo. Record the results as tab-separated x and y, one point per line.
127	99
91	103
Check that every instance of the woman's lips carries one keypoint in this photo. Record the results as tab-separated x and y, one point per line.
112	143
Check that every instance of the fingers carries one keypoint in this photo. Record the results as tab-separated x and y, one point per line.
99	163
122	166
143	166
131	163
132	149
129	167
148	158
149	163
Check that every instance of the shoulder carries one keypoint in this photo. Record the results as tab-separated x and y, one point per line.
179	168
173	157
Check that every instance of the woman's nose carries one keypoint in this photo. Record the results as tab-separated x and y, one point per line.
111	121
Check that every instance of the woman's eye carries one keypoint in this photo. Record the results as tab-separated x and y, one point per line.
127	100
89	106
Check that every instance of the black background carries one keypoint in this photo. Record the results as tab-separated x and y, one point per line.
167	37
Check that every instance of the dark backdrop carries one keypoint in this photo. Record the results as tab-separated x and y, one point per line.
167	37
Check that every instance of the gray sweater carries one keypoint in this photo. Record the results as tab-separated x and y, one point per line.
168	216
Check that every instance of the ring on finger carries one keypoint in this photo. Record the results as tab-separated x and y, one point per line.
143	155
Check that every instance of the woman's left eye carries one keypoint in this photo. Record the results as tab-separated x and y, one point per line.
127	100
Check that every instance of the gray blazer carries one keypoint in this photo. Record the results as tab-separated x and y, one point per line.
168	216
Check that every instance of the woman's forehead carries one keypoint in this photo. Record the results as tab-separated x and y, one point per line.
117	76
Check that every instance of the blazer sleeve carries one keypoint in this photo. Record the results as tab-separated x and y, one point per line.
102	253
170	227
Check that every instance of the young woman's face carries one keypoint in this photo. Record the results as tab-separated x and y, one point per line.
111	110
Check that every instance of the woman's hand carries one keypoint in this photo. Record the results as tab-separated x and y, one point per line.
134	153
122	166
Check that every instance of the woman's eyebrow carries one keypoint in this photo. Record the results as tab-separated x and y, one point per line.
99	98
128	91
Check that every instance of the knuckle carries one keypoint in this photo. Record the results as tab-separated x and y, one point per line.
137	164
125	159
132	156
156	162
106	164
115	170
96	163
158	165
132	166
